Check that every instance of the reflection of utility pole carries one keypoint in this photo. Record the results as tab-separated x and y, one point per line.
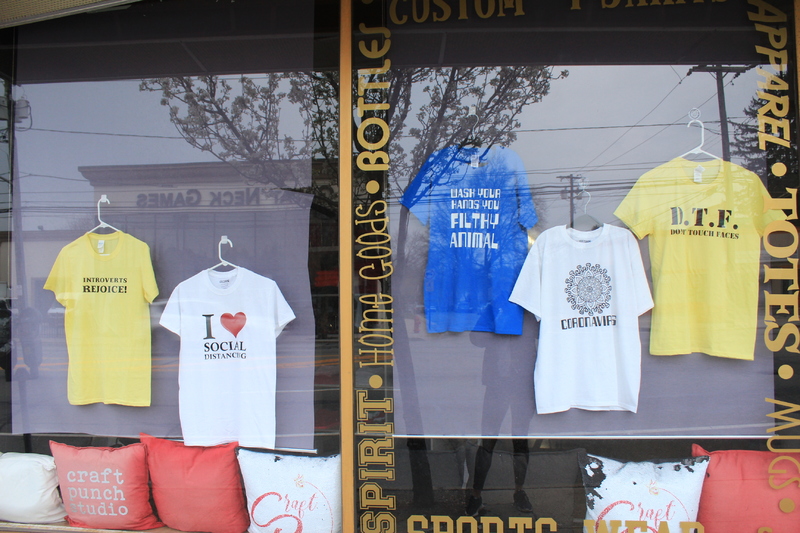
571	191
719	72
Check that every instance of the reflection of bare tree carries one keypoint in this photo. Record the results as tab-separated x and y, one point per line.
745	145
499	95
235	126
425	108
242	125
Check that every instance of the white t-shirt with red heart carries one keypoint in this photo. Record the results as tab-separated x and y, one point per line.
228	323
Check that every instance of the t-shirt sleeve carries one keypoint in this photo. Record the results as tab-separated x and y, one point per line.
634	211
283	312
527	290
149	286
56	281
641	289
171	317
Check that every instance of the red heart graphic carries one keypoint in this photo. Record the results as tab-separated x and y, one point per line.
233	323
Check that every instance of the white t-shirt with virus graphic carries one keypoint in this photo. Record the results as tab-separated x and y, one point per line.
587	289
228	323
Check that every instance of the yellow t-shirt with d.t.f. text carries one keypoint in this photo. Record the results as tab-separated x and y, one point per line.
106	284
705	222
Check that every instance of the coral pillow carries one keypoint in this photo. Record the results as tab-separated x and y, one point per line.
292	493
654	492
105	488
197	488
737	495
29	489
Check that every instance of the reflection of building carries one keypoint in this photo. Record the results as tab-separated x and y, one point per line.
195	204
181	211
6	112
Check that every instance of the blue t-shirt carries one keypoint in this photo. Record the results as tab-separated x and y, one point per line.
478	205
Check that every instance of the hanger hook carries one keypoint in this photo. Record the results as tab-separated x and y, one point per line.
223	240
103	199
586	205
694	115
582	187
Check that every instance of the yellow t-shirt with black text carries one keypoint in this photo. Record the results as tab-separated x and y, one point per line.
705	222
106	283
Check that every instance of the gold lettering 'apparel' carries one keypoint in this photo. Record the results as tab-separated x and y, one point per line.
106	284
705	222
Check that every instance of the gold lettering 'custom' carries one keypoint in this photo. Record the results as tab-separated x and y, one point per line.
419	11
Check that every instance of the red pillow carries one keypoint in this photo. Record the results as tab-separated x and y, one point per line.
105	488
737	496
197	488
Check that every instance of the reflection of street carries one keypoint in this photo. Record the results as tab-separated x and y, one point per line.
449	371
692	394
41	399
435	369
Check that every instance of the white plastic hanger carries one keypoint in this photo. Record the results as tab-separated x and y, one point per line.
471	139
222	262
694	114
585	222
103	198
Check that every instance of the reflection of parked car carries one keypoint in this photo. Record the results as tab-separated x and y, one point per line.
55	316
5	339
28	333
56	309
53	321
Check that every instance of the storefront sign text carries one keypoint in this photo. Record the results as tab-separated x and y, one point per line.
611	4
375	460
249	196
403	11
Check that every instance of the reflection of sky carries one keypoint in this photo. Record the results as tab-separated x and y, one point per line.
122	125
612	124
584	126
91	124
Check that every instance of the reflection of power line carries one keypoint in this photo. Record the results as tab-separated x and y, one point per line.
560	190
719	72
108	134
137	135
591	128
84	180
620	126
637	122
